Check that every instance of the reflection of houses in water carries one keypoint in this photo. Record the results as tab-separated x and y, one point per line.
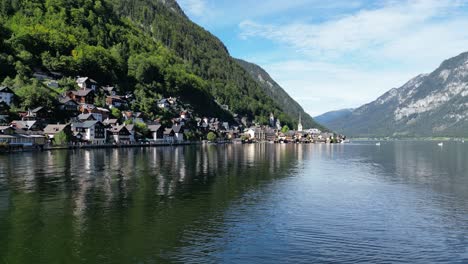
95	185
250	153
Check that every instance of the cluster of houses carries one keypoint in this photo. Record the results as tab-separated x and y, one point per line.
274	133
86	123
89	124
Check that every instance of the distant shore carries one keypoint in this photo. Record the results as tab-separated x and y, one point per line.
411	139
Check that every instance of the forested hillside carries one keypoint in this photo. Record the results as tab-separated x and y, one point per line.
330	117
146	47
279	95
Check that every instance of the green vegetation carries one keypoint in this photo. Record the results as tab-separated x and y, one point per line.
211	136
285	129
61	138
116	113
145	47
141	127
280	97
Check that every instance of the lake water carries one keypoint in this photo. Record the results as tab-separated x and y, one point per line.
402	202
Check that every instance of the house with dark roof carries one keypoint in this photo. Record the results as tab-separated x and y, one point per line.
68	105
86	117
82	96
168	134
6	95
120	134
38	113
99	113
92	131
51	130
157	131
178	132
110	122
131	129
116	101
27	125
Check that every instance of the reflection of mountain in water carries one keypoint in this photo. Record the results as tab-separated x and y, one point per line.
401	201
424	164
134	200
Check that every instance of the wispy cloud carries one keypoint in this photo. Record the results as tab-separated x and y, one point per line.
317	86
362	54
333	54
368	30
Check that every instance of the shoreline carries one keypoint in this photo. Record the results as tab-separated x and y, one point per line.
19	149
36	148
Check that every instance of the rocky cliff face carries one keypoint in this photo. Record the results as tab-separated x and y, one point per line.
434	104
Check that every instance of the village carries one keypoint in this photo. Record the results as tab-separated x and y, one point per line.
85	124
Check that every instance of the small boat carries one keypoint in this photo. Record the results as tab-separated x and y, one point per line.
441	144
377	144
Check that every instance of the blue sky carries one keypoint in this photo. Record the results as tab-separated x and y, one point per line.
338	54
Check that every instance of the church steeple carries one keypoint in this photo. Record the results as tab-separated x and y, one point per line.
299	125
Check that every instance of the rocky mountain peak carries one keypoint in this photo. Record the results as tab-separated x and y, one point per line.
434	104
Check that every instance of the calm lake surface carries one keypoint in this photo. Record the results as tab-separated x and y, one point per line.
402	202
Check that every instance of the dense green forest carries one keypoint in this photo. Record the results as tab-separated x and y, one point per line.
146	47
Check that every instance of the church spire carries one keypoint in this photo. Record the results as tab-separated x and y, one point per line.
299	125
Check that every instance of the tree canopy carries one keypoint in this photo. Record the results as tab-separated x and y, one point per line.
139	46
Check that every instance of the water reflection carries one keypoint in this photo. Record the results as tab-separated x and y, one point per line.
127	204
259	203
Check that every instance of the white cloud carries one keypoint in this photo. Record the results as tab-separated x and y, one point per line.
368	29
318	86
194	7
357	57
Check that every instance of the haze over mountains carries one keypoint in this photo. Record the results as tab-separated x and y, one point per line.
332	115
278	94
434	104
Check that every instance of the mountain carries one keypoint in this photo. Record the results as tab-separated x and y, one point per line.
331	116
434	104
144	47
278	94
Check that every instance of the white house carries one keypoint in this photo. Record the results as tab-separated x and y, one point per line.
6	95
92	131
86	83
163	104
178	132
157	131
250	132
120	134
314	131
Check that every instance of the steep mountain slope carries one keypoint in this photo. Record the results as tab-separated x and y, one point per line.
207	56
331	116
434	104
278	94
146	47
